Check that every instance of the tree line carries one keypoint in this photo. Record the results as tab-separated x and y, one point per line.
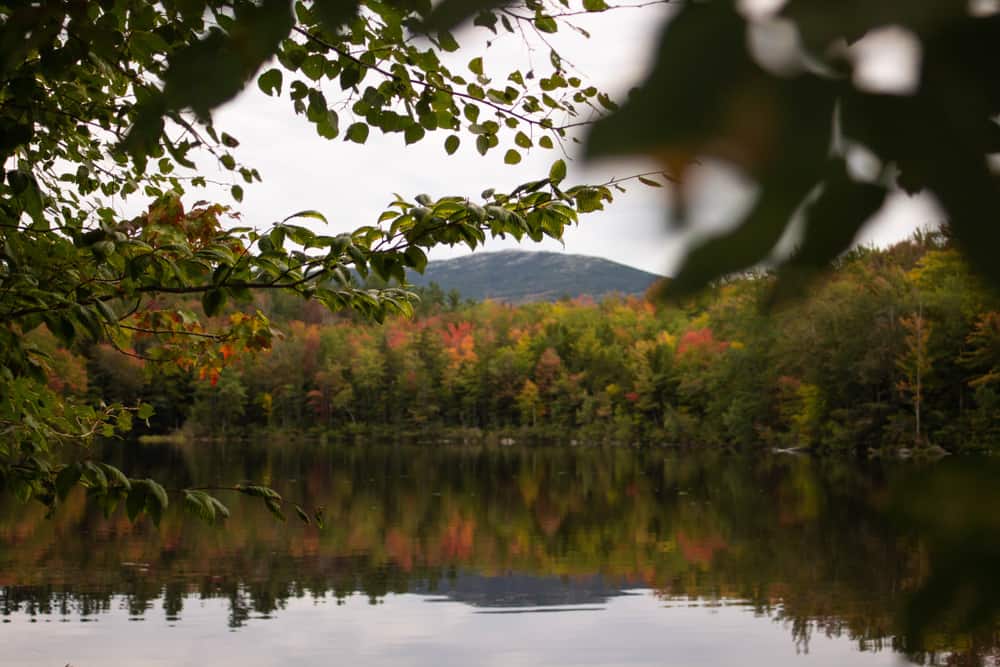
897	347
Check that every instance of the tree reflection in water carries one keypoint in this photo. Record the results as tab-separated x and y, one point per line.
899	556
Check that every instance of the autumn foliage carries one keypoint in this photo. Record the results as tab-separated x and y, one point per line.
836	370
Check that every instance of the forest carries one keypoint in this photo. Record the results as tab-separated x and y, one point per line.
895	348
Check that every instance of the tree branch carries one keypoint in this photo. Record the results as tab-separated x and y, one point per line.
451	91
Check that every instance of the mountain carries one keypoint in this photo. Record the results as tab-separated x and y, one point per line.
518	276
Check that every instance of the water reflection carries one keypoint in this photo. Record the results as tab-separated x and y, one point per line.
633	630
899	557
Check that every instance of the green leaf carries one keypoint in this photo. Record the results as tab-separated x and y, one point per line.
156	502
300	235
257	491
221	511
93	477
511	157
146	496
106	312
650	182
61	326
557	172
135	501
486	19
447	41
416	258
200	504
67	479
350	76
451	144
213	300
308	213
328	124
115	476
274	507
302	515
358	132
313	66
413	134
546	24
277	237
476	65
145	411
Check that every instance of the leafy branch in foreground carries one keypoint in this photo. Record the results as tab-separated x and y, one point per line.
781	95
105	103
109	487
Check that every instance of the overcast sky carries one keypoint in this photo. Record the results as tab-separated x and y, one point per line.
352	184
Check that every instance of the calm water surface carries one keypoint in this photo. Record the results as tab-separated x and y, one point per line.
455	556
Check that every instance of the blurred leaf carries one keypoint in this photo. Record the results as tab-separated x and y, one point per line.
953	506
832	222
207	73
689	92
820	26
449	13
335	13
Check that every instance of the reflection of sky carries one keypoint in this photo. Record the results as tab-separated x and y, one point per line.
407	630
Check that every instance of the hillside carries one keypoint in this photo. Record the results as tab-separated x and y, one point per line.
518	276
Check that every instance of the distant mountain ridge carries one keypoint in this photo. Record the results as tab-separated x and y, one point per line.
517	276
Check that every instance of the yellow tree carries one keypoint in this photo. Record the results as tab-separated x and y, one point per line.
527	402
915	363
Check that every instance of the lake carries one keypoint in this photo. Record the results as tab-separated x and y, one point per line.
444	555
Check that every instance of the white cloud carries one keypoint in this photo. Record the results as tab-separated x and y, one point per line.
351	184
